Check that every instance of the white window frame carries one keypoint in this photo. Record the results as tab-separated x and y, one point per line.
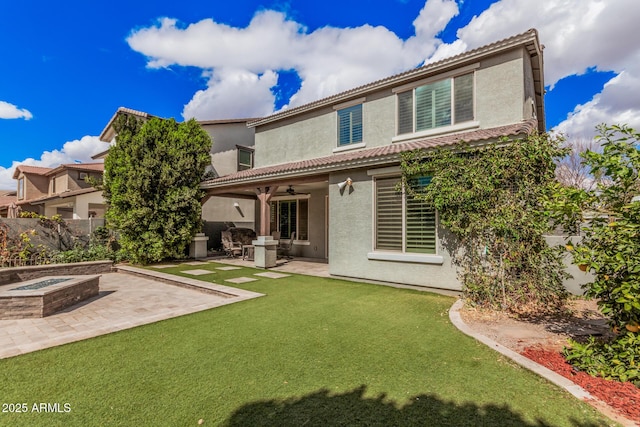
354	145
453	127
403	255
21	188
296	198
240	148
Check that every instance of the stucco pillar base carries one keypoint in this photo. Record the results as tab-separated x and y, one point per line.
265	252
198	246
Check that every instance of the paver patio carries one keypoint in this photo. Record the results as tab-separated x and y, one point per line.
125	301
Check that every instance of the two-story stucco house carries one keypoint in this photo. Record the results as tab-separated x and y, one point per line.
65	190
327	171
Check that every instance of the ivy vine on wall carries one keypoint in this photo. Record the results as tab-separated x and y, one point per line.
489	201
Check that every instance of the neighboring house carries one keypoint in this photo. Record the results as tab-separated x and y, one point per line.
327	171
231	151
63	190
7	197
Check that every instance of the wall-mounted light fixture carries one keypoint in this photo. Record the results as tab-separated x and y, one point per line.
346	183
237	206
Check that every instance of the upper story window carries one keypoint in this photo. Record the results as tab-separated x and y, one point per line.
245	158
350	125
442	103
21	188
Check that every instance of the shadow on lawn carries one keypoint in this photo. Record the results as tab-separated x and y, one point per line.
321	408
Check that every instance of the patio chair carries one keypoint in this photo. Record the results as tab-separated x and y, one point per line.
231	248
285	246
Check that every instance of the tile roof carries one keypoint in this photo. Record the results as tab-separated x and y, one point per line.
6	201
62	195
88	167
527	38
36	170
373	156
107	133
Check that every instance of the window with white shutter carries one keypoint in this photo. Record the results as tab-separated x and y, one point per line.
403	224
438	104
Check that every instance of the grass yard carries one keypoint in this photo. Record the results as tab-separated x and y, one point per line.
313	352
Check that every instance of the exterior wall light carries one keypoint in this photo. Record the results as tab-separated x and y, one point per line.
345	183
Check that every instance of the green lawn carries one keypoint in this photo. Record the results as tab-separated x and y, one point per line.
313	352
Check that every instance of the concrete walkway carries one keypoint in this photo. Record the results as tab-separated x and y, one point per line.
125	301
295	265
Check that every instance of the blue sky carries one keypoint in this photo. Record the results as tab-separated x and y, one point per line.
67	66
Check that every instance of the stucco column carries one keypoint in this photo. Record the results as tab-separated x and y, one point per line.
264	196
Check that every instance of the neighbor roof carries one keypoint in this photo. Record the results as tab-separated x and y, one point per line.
386	154
109	132
36	170
528	40
62	195
85	167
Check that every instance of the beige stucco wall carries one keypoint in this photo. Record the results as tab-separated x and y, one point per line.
222	209
499	90
529	107
75	183
499	98
34	186
292	140
351	238
225	137
81	208
79	204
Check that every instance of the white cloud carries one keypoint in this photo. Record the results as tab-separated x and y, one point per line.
72	151
578	35
233	94
10	111
240	60
613	105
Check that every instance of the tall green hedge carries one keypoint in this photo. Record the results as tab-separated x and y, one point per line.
151	185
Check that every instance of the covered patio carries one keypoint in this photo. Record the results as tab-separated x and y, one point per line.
289	209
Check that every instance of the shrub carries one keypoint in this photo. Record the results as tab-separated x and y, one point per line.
610	249
491	199
617	360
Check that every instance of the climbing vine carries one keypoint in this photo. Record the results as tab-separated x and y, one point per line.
489	202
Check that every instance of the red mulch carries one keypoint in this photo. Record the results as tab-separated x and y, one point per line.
625	397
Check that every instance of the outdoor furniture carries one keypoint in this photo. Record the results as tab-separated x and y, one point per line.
285	246
248	252
231	248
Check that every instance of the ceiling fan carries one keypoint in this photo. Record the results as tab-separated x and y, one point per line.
293	192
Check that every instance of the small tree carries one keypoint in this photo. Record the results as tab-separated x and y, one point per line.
571	171
610	248
151	185
490	199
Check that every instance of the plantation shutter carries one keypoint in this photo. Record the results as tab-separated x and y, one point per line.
388	215
350	125
420	222
405	112
288	218
433	105
274	217
303	220
463	94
